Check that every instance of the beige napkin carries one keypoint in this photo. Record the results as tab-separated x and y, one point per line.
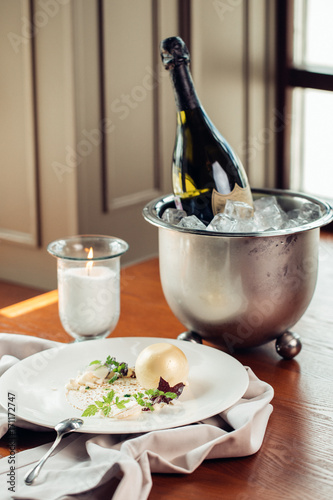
99	467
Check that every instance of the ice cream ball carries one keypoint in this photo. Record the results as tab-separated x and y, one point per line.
161	360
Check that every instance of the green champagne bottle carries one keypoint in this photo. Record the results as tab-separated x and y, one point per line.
206	172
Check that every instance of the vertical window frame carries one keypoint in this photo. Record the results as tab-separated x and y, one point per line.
288	77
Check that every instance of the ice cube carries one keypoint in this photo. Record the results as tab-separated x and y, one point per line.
221	223
295	218
238	209
264	202
173	215
269	217
260	222
245	226
294	214
191	222
310	211
292	223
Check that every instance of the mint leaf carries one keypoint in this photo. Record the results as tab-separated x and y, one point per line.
90	411
152	392
116	367
109	397
106	410
139	399
171	395
120	404
109	361
113	379
96	362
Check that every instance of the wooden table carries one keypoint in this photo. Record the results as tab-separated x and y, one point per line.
295	461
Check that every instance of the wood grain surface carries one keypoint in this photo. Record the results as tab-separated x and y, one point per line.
296	459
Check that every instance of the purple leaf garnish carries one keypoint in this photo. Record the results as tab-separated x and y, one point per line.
165	387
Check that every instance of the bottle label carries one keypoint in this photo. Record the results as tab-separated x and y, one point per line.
237	194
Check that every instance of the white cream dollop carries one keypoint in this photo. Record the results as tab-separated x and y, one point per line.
161	360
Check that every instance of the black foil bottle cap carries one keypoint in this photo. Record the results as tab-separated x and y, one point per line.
174	52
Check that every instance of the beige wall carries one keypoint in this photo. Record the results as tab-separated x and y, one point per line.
57	179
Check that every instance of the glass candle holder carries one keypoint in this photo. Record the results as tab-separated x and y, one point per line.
88	270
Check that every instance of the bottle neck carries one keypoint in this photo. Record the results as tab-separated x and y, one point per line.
185	95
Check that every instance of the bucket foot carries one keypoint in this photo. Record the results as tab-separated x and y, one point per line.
288	345
190	336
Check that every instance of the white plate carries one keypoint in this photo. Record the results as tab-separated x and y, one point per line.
216	381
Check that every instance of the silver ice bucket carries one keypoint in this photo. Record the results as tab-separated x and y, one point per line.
240	290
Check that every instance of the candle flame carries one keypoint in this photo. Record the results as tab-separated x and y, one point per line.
90	255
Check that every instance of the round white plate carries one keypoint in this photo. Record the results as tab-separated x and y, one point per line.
216	381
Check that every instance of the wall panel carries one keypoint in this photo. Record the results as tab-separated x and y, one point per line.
19	208
45	131
130	87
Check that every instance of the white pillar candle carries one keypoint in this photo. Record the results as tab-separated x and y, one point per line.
89	302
